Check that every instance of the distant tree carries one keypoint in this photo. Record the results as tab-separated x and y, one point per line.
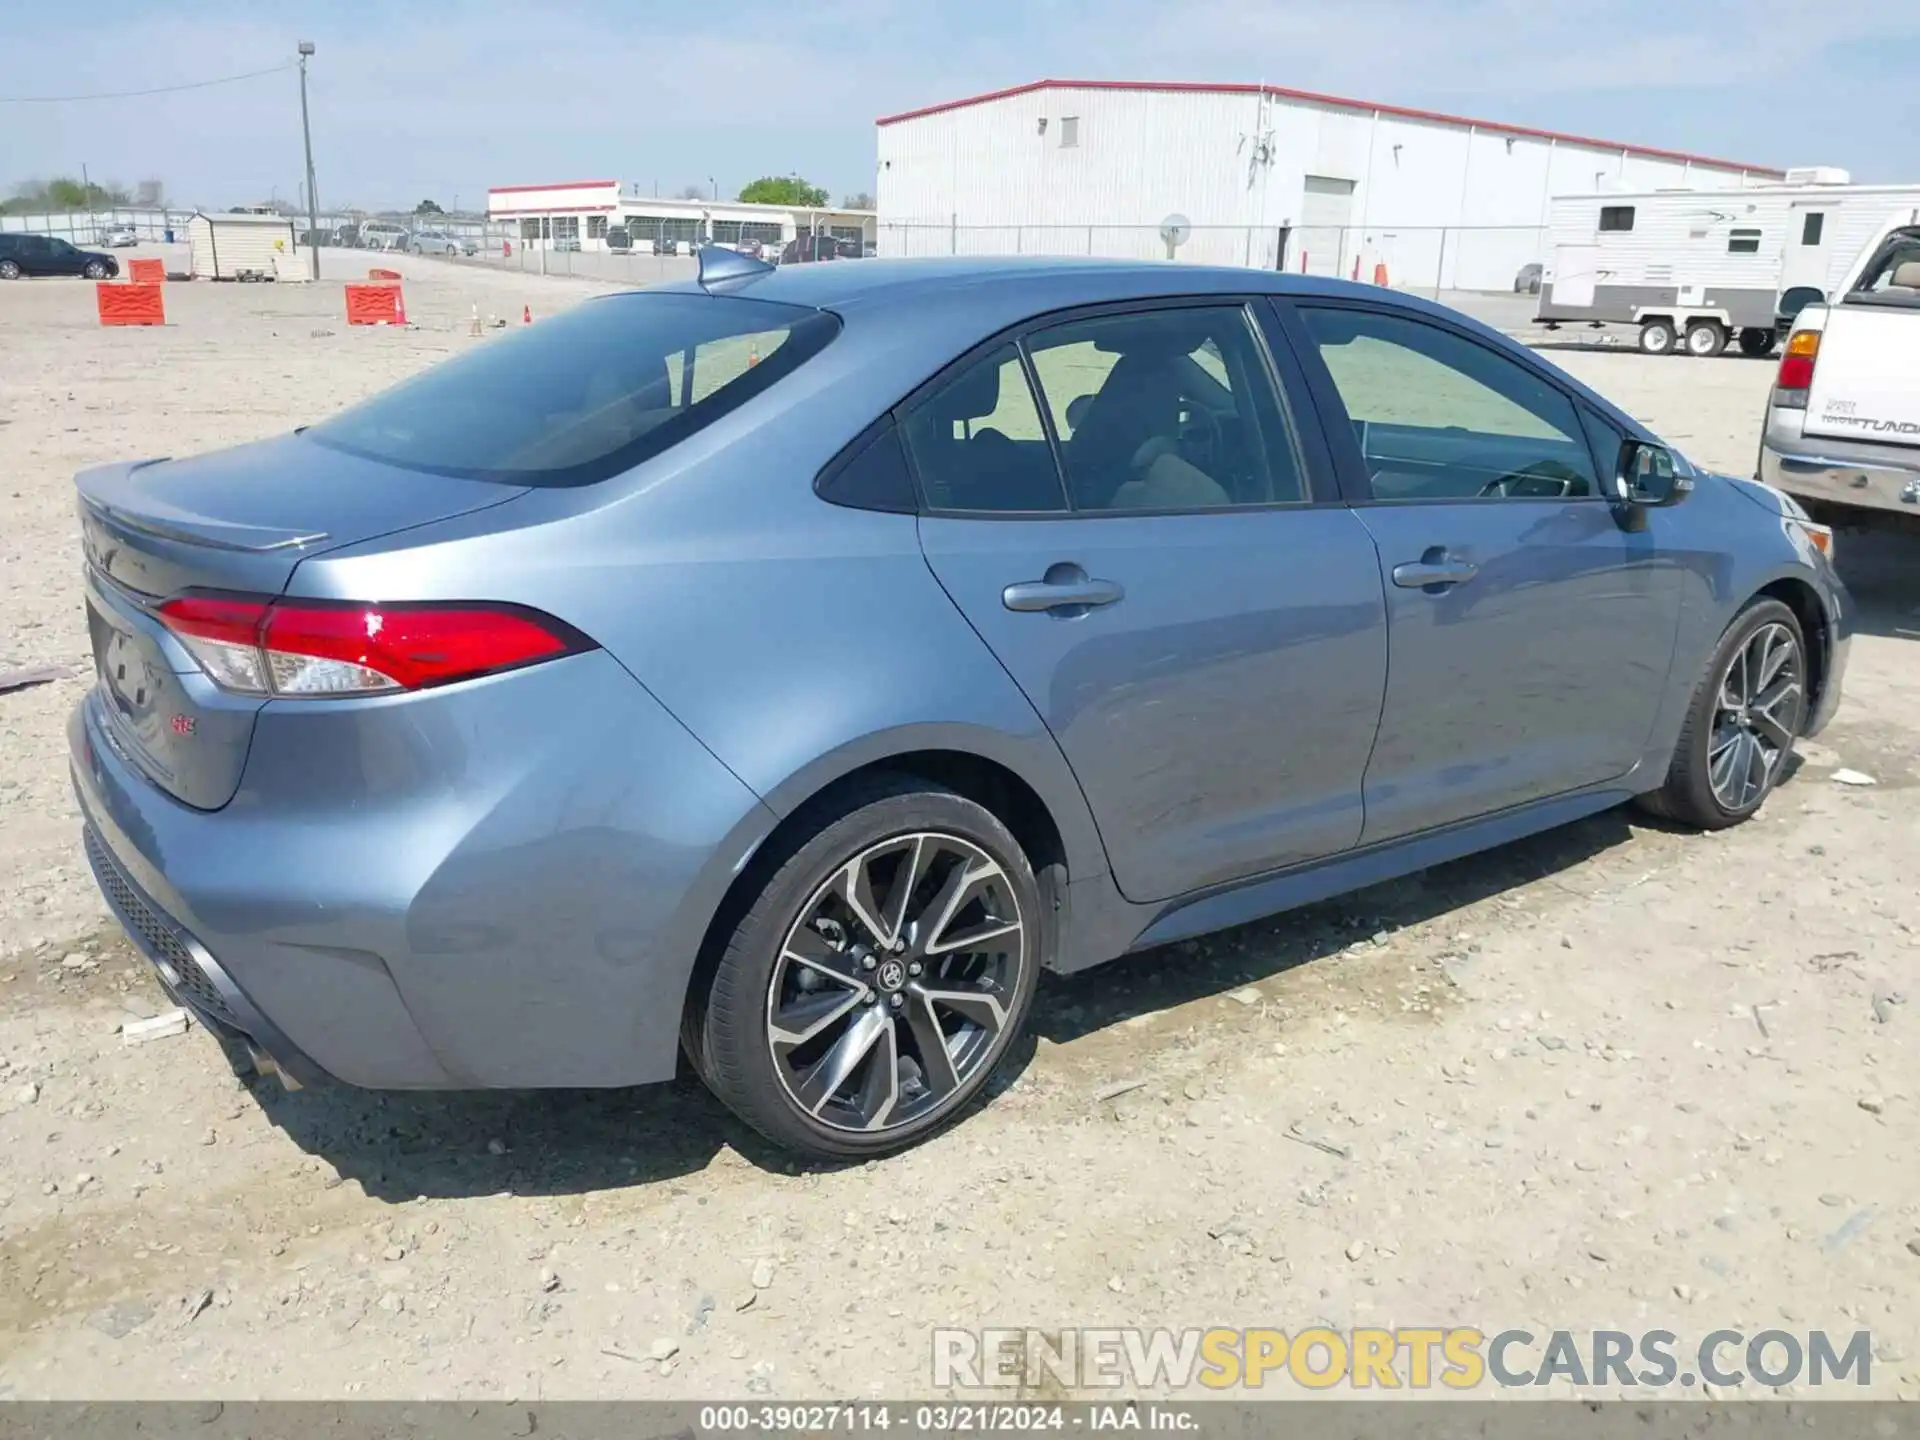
692	192
61	193
859	200
428	207
783	190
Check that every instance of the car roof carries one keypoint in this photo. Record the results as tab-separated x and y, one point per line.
841	284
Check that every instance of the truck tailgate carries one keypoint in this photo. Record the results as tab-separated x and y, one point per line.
1866	385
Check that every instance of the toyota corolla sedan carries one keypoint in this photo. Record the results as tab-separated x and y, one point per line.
781	669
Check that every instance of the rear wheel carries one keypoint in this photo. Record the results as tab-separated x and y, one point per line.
1656	337
9	269
879	978
1706	338
1741	726
1756	342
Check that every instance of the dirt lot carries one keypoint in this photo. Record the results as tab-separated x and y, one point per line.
1616	1076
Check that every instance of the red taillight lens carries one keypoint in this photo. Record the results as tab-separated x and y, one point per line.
1796	369
317	648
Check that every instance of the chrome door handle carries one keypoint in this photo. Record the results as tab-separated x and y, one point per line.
1031	595
1417	575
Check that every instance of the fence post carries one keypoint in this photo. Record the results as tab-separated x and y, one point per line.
1440	271
953	233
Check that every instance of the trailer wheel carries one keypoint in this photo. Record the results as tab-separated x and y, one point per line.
1756	342
1656	337
1706	338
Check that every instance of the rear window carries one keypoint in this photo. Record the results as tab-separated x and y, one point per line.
585	395
1892	277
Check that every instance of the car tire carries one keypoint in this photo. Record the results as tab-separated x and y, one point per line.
9	269
1656	337
1706	339
828	1056
1756	342
95	270
1712	781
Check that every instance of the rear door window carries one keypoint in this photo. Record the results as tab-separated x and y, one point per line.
585	395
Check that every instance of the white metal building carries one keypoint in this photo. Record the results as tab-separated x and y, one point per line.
244	245
1266	176
584	210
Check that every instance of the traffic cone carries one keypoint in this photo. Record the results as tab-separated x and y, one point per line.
474	327
399	306
1380	272
526	314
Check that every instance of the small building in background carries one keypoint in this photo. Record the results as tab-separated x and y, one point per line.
244	245
579	214
1262	176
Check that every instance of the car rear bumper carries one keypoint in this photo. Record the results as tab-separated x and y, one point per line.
498	884
1839	472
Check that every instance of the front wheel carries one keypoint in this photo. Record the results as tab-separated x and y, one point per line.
95	270
879	978
1740	728
9	269
1756	342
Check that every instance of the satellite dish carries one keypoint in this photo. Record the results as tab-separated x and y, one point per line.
1174	230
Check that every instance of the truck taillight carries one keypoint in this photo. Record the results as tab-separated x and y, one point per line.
314	648
1795	379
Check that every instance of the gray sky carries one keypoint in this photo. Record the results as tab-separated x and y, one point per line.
444	100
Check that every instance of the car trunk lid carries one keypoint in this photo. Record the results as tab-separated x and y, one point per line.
239	520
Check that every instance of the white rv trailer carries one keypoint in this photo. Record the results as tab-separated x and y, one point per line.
1696	268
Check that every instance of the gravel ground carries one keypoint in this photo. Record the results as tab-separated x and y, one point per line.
1615	1076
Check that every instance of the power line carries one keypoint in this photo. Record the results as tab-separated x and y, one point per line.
133	94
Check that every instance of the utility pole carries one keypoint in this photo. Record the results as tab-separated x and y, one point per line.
313	200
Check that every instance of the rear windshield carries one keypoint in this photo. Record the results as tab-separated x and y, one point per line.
587	394
1892	277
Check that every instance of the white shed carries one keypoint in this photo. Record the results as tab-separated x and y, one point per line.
245	247
1264	175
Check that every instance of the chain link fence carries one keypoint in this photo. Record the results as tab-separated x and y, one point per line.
1431	259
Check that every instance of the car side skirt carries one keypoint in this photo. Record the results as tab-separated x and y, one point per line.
1101	926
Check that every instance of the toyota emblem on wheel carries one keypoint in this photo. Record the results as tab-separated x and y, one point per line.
891	976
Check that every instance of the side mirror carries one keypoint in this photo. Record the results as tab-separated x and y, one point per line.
1650	476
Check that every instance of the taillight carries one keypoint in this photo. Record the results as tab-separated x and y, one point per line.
1795	379
313	648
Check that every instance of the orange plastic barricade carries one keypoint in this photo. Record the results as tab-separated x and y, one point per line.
131	304
388	276
147	272
373	304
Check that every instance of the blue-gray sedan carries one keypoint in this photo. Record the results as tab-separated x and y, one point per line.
783	668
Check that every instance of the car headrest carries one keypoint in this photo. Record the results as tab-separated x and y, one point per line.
975	394
1906	275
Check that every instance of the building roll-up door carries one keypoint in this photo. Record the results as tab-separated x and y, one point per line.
1321	243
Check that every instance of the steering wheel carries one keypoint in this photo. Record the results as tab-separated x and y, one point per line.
1544	480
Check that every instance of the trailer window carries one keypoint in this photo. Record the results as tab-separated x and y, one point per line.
1743	242
1616	217
1811	227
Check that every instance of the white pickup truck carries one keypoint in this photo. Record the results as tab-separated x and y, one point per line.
1843	422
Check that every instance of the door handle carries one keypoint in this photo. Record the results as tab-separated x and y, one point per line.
1431	569
1083	593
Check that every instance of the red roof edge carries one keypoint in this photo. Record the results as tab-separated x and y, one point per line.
556	185
1339	102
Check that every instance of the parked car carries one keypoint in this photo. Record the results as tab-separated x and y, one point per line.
664	246
439	242
383	235
1527	282
1843	419
806	248
44	255
347	237
619	241
567	244
623	759
119	237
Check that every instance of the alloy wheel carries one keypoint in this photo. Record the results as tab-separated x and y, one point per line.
1755	716
892	988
